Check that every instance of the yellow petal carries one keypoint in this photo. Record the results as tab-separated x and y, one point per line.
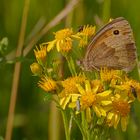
104	103
50	45
124	122
103	112
72	105
107	108
80	88
110	116
87	86
116	120
58	45
64	101
75	97
88	115
95	89
96	110
105	93
76	36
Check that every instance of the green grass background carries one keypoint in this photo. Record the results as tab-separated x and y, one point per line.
32	114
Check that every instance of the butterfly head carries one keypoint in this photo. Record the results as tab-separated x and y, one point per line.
80	64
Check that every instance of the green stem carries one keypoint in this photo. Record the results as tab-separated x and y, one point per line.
85	126
80	127
65	125
71	65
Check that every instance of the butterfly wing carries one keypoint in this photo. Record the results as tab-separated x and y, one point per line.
113	47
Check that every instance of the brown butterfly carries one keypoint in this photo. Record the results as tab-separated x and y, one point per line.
113	47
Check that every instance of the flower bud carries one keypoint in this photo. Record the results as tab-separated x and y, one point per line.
36	69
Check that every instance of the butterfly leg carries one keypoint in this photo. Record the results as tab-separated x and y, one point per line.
94	67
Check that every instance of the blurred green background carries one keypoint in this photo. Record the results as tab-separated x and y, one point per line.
33	113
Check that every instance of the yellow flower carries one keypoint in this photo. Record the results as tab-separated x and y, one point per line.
47	84
36	68
134	87
69	85
119	111
127	86
40	54
108	75
63	40
90	99
85	33
70	91
88	30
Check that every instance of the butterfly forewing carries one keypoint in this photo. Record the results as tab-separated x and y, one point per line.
113	47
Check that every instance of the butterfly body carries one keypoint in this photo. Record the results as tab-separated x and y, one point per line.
112	47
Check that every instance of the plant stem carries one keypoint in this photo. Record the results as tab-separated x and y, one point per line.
54	122
80	127
65	125
16	74
71	65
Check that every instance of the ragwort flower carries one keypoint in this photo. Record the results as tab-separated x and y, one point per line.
85	33
63	40
107	75
47	84
40	54
70	90
69	85
119	111
134	87
90	100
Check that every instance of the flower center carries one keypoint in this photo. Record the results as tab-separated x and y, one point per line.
88	99
121	107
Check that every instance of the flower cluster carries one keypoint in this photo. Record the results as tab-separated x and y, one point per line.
108	96
64	38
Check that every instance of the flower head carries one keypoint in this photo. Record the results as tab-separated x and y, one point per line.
107	75
87	30
119	111
134	87
40	54
85	33
47	84
90	99
70	90
63	40
69	85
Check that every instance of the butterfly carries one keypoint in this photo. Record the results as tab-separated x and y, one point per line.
113	47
